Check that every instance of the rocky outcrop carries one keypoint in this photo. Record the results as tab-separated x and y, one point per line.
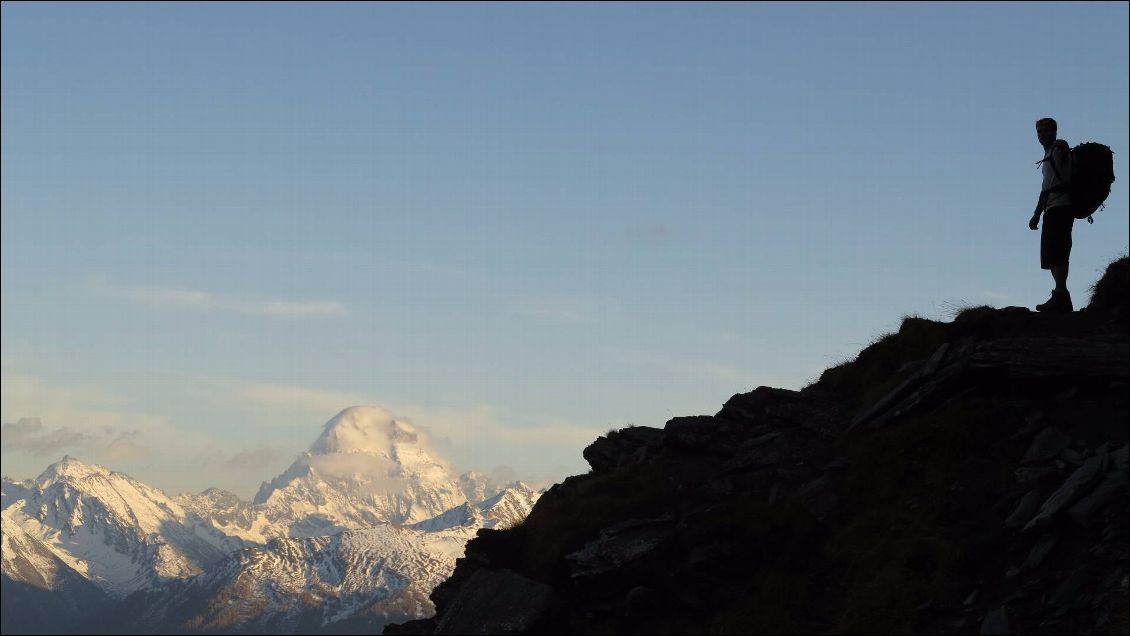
499	602
957	477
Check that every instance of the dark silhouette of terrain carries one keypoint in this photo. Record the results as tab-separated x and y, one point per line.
960	477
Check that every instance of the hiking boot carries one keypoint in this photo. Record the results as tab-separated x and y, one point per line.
1059	303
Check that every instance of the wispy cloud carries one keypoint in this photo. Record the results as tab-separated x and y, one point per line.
205	301
85	407
253	461
444	425
304	398
122	448
42	418
30	435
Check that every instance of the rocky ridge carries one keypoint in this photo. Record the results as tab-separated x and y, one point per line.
957	477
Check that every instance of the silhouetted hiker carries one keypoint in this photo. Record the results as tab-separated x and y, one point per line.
1056	206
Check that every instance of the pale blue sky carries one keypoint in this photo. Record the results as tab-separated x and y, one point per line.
516	225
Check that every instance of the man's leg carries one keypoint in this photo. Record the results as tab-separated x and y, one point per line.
1059	275
1061	298
1055	254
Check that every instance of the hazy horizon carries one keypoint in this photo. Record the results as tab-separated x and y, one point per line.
515	226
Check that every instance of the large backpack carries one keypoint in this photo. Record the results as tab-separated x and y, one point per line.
1091	177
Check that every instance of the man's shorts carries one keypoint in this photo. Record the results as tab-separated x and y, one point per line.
1055	240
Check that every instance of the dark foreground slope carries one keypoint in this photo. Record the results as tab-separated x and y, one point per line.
956	477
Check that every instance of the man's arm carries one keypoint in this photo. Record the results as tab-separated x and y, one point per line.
1034	222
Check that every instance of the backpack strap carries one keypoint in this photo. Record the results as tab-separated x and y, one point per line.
1062	184
1051	159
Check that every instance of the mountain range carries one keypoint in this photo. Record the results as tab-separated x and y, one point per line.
354	533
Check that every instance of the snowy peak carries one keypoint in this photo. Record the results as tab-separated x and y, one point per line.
11	490
70	468
509	507
504	510
364	429
219	508
476	486
72	488
366	468
298	470
111	529
465	515
367	441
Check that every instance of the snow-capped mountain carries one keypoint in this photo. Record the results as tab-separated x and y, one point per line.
477	486
38	591
510	506
365	469
28	560
357	531
221	509
383	574
363	578
504	510
113	530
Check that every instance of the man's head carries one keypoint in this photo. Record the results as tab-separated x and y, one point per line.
1046	129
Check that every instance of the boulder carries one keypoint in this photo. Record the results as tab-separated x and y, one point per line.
1046	445
701	433
1112	485
618	545
818	498
1025	509
501	602
625	447
1078	484
766	450
996	622
1039	552
767	408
